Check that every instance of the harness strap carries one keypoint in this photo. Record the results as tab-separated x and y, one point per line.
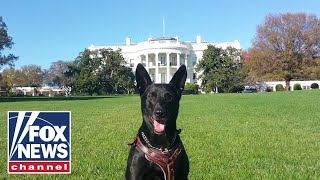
164	159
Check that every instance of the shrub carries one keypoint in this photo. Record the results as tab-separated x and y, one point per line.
82	94
314	86
279	87
269	89
191	86
297	87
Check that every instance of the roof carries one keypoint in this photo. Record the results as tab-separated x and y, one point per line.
163	38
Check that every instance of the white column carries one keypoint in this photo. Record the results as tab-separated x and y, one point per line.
178	60
147	62
186	63
186	59
168	68
156	77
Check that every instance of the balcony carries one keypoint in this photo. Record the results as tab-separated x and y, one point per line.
173	64
162	64
163	44
152	64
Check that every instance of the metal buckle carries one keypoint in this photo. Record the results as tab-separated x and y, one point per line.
164	150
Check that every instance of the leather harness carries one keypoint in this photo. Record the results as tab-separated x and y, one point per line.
164	159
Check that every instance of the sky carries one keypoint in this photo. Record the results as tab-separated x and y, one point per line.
47	31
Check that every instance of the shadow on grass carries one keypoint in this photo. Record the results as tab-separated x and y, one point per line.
20	99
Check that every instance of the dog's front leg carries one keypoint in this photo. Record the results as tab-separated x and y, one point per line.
136	165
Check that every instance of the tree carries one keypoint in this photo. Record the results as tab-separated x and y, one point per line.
7	80
113	73
125	82
5	42
248	62
102	71
55	75
315	70
84	72
31	75
11	78
221	69
285	46
8	75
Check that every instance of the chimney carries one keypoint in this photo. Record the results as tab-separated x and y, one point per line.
198	39
128	41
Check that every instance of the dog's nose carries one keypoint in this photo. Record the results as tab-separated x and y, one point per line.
160	114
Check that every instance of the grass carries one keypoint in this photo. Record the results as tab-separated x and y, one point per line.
227	136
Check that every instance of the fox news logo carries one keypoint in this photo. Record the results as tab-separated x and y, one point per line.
39	142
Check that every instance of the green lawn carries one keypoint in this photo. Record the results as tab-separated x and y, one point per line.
227	136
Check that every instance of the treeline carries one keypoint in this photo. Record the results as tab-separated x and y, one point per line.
98	72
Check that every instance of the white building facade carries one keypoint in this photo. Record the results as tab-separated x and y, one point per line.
305	85
163	56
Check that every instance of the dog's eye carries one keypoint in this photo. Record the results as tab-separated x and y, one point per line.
168	97
151	96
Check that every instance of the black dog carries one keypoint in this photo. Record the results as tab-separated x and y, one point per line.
157	152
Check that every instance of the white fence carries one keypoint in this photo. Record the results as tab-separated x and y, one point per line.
42	91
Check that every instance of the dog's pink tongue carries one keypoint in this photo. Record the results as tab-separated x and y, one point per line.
158	127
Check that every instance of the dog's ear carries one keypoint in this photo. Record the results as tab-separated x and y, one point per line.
179	78
142	78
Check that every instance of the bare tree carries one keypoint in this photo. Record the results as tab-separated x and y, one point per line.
32	75
55	75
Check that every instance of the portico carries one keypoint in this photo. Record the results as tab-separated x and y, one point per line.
167	64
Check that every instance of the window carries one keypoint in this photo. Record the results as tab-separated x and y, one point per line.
143	61
173	61
182	61
163	77
194	61
195	79
162	61
131	62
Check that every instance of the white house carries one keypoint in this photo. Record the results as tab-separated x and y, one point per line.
163	56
